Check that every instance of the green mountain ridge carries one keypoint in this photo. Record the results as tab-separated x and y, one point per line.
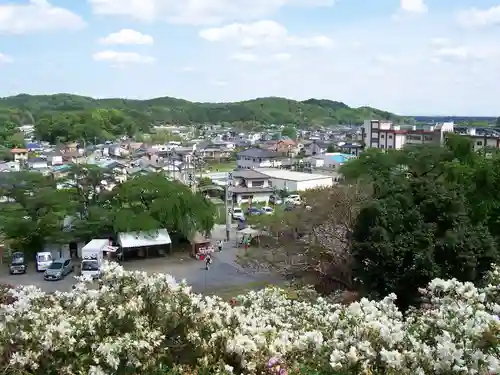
267	110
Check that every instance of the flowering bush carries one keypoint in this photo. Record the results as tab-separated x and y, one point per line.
136	323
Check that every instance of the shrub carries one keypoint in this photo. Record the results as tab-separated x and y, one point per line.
148	324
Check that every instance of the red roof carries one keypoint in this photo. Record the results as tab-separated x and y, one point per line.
19	151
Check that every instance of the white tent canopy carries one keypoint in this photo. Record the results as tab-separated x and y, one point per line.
141	239
249	231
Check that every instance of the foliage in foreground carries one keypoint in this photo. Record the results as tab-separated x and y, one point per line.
139	323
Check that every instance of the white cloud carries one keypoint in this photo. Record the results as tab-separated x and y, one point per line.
453	53
253	58
440	42
413	6
246	57
198	12
4	59
36	16
264	32
475	17
127	36
123	58
218	83
465	53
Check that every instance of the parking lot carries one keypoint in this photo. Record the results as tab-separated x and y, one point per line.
223	273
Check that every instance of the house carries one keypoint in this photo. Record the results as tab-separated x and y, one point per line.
54	158
295	181
257	158
10	166
335	160
37	163
19	154
250	186
34	146
282	146
317	148
350	148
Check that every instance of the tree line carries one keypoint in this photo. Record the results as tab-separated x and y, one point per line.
38	210
65	117
403	218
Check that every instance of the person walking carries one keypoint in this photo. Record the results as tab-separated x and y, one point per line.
208	262
220	245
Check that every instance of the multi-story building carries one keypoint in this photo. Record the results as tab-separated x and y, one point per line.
385	135
480	137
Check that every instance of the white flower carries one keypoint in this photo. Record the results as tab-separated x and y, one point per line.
136	320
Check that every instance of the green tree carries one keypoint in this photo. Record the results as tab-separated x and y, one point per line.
497	123
150	202
205	181
35	211
91	210
331	148
289	132
417	231
64	117
427	202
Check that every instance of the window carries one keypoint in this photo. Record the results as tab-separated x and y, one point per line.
390	137
382	136
390	146
479	143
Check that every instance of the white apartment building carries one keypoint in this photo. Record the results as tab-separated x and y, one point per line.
480	137
385	135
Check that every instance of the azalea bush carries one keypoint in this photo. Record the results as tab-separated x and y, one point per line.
137	323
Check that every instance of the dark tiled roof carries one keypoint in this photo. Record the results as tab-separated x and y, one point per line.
258	153
249	174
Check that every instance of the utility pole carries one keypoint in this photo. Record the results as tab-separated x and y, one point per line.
226	205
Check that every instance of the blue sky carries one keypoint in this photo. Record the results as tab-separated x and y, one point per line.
408	56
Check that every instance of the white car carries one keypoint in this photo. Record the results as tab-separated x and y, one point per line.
294	198
268	210
275	200
238	213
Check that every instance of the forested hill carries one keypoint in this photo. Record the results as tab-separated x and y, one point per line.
67	115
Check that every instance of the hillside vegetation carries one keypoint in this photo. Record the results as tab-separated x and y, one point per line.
58	115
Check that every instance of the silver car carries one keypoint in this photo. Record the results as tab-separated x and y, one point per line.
58	269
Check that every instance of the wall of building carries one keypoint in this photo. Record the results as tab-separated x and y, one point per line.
249	163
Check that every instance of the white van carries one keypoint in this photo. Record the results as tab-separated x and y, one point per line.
92	258
43	260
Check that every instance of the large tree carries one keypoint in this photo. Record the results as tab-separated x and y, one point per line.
150	202
429	216
87	187
311	243
34	212
419	230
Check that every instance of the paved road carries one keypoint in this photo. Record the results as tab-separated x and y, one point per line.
223	273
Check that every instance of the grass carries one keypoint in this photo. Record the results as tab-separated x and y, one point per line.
222	166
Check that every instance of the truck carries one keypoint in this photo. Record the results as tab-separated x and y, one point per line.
17	263
92	258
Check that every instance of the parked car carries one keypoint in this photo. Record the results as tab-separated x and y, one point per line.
274	199
43	260
17	263
254	211
294	198
237	213
267	210
58	269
